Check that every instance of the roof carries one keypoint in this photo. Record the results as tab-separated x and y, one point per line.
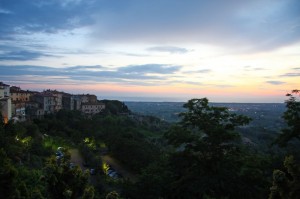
53	91
14	88
93	103
2	84
4	99
87	95
44	95
22	91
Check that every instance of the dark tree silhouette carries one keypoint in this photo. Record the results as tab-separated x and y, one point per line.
292	118
209	160
287	184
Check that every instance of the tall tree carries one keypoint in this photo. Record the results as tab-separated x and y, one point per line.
292	118
208	160
286	184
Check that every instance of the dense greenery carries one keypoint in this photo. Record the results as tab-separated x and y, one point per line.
292	118
201	156
115	107
28	167
286	183
207	159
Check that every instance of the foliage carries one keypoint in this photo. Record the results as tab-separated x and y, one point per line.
91	157
208	159
292	118
286	185
113	195
65	182
8	177
131	148
204	158
115	107
154	181
206	129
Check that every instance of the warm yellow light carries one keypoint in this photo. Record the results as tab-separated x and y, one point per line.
86	140
105	167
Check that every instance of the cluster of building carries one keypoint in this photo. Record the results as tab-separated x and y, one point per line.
20	104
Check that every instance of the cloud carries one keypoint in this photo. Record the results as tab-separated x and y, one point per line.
22	55
291	75
169	82
85	67
223	86
275	82
133	54
3	11
251	68
134	74
150	68
198	71
168	49
26	17
294	73
253	25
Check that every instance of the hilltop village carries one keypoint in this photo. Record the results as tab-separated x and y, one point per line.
21	104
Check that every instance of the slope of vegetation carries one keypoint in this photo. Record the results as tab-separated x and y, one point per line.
202	156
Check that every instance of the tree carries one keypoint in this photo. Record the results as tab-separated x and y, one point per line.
287	184
65	182
89	193
206	125
115	107
292	118
8	177
112	195
208	160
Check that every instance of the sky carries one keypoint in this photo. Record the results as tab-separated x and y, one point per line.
158	50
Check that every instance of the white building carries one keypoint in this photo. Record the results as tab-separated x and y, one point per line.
1	92
6	89
5	102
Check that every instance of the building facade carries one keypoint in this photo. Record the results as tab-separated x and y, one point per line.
91	108
5	102
18	110
34	110
18	95
18	103
6	89
5	106
45	101
58	97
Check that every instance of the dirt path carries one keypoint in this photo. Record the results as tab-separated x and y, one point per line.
76	158
119	168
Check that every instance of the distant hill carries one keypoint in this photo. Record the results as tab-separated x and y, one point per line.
266	117
169	110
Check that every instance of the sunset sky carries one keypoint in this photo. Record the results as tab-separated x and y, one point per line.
153	50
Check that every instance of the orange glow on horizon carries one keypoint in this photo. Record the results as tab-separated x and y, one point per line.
181	89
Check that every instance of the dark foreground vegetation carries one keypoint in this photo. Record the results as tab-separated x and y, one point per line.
201	156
